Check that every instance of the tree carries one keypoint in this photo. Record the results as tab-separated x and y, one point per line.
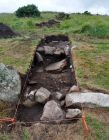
28	11
62	15
87	13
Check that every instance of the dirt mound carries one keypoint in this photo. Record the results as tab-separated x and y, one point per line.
6	31
49	23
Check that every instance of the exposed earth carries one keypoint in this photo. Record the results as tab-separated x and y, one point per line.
49	23
51	69
6	31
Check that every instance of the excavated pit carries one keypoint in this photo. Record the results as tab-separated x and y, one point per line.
52	80
49	23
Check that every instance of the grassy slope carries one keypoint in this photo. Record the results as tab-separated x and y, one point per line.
92	64
92	53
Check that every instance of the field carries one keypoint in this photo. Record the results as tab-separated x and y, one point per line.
90	35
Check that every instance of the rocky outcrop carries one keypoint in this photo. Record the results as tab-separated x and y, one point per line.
52	111
87	99
10	84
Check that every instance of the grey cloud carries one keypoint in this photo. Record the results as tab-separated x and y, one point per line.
94	6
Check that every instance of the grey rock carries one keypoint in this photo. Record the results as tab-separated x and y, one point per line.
39	57
10	84
49	49
56	67
71	113
67	50
74	88
52	111
59	51
40	49
32	82
31	95
42	95
62	103
88	99
58	95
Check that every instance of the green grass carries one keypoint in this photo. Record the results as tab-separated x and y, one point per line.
92	65
26	134
90	33
5	137
17	52
99	130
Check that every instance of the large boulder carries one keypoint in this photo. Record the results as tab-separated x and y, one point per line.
87	99
52	111
57	67
10	84
42	95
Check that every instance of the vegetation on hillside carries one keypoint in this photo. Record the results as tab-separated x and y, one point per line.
28	11
89	33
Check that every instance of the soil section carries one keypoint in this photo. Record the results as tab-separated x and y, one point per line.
54	81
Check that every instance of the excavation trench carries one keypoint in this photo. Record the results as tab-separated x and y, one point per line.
60	79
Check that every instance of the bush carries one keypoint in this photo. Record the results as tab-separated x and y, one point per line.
62	15
98	30
28	11
87	13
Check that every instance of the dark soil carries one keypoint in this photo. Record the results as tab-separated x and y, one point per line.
49	23
6	32
60	81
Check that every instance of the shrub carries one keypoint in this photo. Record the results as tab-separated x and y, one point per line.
95	30
62	15
87	13
28	11
30	23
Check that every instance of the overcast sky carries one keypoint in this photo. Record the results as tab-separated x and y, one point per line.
94	6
